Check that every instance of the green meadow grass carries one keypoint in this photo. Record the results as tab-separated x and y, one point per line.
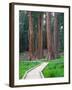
55	68
26	65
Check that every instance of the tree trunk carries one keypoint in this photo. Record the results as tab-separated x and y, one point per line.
49	36
40	45
31	36
56	43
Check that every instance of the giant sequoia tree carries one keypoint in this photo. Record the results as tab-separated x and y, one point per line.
40	45
31	36
41	33
49	36
56	34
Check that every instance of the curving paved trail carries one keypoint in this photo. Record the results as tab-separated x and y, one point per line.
35	73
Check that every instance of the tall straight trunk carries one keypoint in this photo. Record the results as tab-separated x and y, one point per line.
56	32
36	44
49	36
31	36
40	45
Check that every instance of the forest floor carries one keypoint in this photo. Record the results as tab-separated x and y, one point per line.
36	72
25	55
52	68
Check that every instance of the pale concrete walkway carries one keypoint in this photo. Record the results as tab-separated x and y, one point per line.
35	73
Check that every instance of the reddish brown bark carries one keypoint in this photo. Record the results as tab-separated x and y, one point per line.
49	36
56	43
40	45
31	36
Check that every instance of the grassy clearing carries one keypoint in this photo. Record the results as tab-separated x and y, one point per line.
26	65
55	68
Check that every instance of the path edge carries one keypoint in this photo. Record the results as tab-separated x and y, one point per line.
41	74
29	71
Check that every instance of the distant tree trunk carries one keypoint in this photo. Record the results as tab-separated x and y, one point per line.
40	45
31	36
36	44
56	34
49	36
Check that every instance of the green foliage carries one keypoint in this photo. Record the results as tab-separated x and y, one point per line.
26	65
24	27
55	68
61	31
23	31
